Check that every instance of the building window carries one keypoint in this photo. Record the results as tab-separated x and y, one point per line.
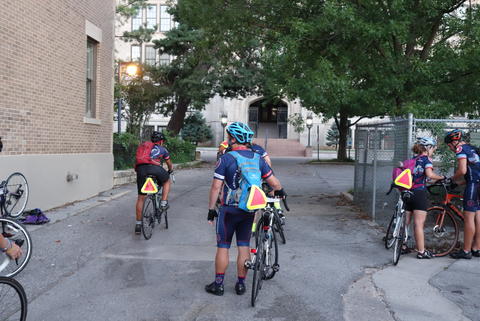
136	53
165	19
161	128
152	17
137	20
150	55
91	78
164	59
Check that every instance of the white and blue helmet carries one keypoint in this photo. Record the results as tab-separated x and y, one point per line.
241	132
426	141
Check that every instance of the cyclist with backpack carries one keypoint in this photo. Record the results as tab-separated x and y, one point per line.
240	173
417	204
468	167
224	148
148	161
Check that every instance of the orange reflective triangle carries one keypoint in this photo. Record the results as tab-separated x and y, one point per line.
149	187
256	198
405	179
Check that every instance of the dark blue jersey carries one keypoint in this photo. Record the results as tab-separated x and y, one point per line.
469	153
419	177
159	153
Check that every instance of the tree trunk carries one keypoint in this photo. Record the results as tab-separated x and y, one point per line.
176	121
342	124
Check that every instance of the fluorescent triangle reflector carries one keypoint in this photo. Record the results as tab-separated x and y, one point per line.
405	179
256	198
149	187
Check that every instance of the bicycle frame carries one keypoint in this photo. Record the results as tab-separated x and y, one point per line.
447	203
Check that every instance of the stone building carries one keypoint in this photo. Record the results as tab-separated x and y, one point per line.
268	121
56	97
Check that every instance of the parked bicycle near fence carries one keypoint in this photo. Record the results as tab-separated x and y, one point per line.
265	254
397	231
14	194
441	227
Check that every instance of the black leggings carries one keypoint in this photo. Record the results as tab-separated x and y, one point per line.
144	170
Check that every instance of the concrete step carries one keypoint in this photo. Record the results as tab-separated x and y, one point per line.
282	147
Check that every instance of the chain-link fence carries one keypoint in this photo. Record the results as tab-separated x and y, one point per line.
380	146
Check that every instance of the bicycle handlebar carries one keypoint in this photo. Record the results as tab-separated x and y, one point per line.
285	204
277	199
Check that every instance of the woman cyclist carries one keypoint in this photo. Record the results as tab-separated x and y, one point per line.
417	204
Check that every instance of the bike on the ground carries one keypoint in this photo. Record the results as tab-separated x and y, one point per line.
397	231
13	195
16	233
441	226
265	254
152	211
13	300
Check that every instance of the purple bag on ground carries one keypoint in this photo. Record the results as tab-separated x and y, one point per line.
35	217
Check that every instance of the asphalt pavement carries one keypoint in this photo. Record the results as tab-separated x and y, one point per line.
88	264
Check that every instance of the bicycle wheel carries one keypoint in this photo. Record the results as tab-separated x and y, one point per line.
17	233
258	270
13	300
148	217
389	240
16	194
440	231
278	227
272	257
399	234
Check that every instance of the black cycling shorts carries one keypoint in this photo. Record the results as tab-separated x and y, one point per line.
144	170
417	202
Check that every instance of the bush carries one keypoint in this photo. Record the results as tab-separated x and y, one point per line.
195	129
124	149
180	150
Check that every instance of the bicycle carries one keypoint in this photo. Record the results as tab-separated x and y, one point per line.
397	231
15	232
13	195
441	226
13	300
152	211
265	254
279	222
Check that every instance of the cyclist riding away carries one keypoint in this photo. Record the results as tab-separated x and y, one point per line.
149	158
468	167
231	219
417	204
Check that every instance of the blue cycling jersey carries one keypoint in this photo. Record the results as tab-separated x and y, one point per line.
159	153
469	153
419	177
259	150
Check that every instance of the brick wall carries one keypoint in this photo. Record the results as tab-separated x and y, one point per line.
43	77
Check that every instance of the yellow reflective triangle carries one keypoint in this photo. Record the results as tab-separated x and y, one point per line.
256	198
149	187
405	179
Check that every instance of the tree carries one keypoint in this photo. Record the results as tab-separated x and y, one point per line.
196	129
346	58
333	135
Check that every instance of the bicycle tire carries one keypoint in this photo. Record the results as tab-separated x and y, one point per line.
258	270
389	240
16	194
148	217
271	270
279	228
399	239
13	300
17	233
441	231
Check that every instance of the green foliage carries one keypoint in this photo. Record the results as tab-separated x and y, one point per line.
141	35
124	149
296	120
195	129
129	8
333	135
180	150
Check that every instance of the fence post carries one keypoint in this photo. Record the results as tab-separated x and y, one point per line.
410	135
374	186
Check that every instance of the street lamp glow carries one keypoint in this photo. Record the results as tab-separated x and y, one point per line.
309	121
131	70
224	120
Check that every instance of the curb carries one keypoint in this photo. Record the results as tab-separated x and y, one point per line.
331	163
67	211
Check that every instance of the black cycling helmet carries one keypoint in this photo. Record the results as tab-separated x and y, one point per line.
157	136
454	135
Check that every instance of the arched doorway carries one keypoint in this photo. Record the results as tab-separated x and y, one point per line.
268	118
